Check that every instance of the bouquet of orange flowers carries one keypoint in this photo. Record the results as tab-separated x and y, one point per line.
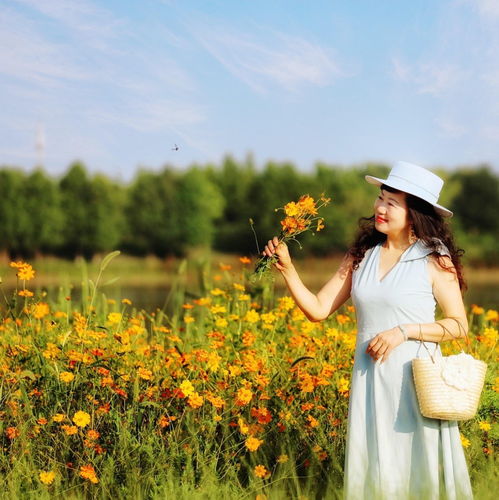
301	216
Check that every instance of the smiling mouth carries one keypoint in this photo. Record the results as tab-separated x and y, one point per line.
380	219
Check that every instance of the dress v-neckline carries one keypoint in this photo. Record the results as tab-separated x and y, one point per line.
378	258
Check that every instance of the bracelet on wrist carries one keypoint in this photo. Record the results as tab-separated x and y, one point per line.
404	332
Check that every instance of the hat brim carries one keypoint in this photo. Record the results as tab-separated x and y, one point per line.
444	212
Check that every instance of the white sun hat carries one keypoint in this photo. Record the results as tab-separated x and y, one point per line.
414	180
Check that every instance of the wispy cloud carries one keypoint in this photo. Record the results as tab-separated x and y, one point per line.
450	127
28	55
486	8
430	77
149	115
274	59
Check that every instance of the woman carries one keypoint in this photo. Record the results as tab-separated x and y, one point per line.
402	263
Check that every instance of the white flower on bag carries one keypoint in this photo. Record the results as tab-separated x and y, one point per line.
457	370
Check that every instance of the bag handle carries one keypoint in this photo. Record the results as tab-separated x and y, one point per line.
445	329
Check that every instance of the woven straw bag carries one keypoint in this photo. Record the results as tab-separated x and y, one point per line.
448	387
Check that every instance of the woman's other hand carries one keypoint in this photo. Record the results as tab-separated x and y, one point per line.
280	249
384	343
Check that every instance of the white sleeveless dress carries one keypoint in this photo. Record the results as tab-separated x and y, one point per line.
393	452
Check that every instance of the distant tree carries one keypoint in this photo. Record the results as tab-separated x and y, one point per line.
106	212
92	213
275	186
14	219
199	204
41	197
152	215
477	203
235	181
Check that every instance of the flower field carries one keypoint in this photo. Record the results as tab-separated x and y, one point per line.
233	395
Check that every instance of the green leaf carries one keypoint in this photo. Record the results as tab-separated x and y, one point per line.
27	374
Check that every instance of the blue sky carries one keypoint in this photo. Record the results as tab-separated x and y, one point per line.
117	83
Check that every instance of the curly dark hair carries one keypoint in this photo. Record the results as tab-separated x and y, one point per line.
428	225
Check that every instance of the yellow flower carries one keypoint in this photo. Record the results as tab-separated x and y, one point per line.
217	291
286	303
218	309
251	316
221	323
25	293
47	477
291	209
81	418
189	319
58	417
465	441
127	302
253	443
477	309
41	310
243	396
343	385
238	286
66	377
282	459
144	373
491	315
261	471
485	426
25	271
114	318
320	225
186	387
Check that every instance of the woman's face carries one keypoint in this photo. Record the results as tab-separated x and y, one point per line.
390	212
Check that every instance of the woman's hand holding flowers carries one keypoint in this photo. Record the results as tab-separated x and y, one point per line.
280	250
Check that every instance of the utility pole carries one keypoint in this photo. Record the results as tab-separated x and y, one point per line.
40	145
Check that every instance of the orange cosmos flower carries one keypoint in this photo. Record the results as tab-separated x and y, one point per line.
195	400
88	472
12	432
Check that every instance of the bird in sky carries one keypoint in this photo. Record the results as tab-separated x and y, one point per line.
176	148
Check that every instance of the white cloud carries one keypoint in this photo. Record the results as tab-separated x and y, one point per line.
29	56
283	60
430	77
487	8
450	127
149	115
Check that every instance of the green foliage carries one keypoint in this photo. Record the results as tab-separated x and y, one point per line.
199	204
168	212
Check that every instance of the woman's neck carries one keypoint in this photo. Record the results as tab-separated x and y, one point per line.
398	242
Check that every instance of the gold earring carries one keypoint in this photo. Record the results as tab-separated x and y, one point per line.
412	235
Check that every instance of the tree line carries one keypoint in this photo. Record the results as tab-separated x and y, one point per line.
167	212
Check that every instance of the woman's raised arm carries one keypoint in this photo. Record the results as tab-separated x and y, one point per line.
332	295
